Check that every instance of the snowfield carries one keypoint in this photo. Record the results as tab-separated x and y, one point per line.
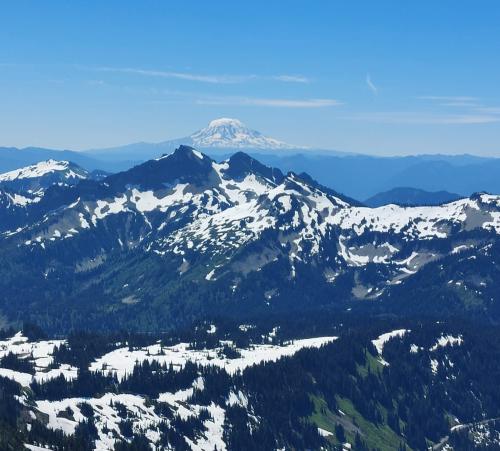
40	354
142	414
105	416
122	360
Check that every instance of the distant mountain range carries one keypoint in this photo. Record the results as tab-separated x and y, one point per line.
363	176
183	236
357	176
221	137
410	197
12	158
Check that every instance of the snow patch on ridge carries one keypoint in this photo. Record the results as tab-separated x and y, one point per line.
380	341
40	169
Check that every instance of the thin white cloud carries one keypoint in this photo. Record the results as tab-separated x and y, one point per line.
449	98
292	78
461	104
269	102
488	109
468	103
96	82
418	118
370	84
178	75
203	78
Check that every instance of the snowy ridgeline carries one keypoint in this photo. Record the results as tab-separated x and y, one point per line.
43	168
142	412
230	211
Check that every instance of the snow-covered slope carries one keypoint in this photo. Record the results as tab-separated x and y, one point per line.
187	205
39	353
221	225
15	200
41	169
43	174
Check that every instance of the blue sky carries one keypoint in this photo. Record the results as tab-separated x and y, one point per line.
384	77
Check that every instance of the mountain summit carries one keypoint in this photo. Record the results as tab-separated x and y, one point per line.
232	133
42	175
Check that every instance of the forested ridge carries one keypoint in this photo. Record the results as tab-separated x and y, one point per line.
407	398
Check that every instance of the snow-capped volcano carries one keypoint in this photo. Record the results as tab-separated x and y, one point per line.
232	133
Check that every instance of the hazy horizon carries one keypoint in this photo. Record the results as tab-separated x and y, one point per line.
299	149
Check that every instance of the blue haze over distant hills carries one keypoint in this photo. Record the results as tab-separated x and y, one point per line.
356	175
